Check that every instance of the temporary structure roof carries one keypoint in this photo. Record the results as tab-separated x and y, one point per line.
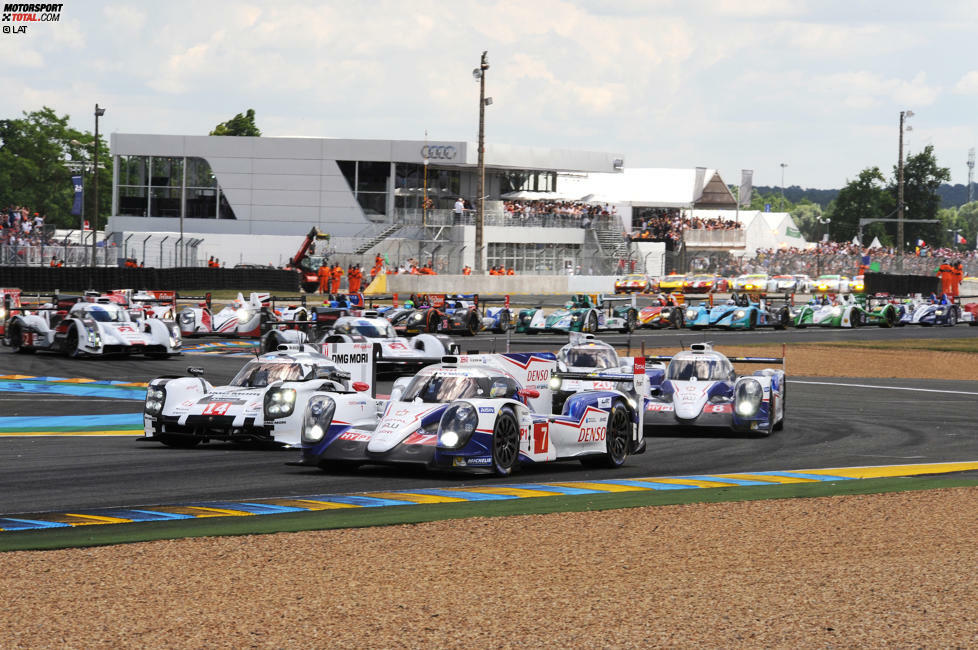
646	187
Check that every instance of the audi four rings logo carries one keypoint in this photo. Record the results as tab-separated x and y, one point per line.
439	152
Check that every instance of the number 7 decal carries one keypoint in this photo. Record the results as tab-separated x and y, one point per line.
541	437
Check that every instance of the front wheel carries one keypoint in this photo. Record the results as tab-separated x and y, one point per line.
471	326
784	409
617	437
504	323
505	444
592	323
71	342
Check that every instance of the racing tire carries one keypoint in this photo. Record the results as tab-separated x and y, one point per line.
505	444
179	442
889	318
779	425
783	318
952	318
856	319
592	323
16	338
504	322
631	322
679	319
617	438
71	342
471	326
752	322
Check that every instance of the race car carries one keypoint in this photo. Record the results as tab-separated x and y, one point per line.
141	304
935	311
487	411
785	284
393	349
705	284
969	313
828	311
416	319
239	318
857	285
632	283
583	314
751	283
879	310
665	311
464	316
701	389
81	328
587	363
671	282
267	400
739	312
830	283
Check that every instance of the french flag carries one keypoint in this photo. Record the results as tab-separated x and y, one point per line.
960	239
921	242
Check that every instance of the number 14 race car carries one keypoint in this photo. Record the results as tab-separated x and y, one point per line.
488	411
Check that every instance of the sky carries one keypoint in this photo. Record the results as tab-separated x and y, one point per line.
817	85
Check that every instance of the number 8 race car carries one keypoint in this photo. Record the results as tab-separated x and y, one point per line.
489	411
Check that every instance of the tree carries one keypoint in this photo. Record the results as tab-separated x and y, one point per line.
921	180
238	125
806	215
35	151
866	197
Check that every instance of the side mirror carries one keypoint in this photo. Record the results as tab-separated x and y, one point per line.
528	393
361	386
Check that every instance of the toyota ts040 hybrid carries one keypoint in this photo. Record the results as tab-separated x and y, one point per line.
701	389
487	411
267	400
90	329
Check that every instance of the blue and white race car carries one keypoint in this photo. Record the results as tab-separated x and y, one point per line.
701	389
487	411
739	312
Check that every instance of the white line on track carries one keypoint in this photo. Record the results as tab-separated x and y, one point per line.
921	390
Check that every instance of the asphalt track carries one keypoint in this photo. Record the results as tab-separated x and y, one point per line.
830	423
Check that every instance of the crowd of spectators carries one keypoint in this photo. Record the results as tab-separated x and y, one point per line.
569	212
667	225
847	258
21	227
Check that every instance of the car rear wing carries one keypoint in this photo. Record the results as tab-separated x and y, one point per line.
206	298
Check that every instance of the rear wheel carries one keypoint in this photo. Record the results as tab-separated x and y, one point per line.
504	322
752	324
15	334
505	444
471	326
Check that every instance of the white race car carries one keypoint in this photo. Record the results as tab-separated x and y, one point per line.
90	329
487	411
267	399
701	389
239	318
422	349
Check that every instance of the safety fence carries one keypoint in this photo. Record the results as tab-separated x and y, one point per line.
183	279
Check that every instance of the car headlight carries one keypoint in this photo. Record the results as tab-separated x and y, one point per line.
939	312
740	313
244	315
555	383
317	418
690	313
417	316
747	397
279	403
3	313
457	424
155	397
94	340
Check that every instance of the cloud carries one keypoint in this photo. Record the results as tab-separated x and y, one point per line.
968	84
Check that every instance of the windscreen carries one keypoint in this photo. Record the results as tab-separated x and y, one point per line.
258	374
436	389
103	315
368	330
701	369
597	358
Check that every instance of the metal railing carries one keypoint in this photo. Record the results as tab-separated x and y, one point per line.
415	217
715	238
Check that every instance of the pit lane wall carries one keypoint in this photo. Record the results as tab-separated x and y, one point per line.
508	284
47	279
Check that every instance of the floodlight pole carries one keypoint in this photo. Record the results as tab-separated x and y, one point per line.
480	213
99	112
903	116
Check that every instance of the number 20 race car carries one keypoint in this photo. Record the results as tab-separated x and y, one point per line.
267	400
488	411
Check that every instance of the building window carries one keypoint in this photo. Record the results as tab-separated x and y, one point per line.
154	186
368	182
540	259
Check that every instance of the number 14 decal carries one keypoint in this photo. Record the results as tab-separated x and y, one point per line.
216	408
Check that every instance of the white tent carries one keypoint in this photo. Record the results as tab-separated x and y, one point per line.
640	187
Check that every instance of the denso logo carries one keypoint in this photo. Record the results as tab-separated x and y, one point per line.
592	434
537	375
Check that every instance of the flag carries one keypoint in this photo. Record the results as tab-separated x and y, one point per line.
746	187
76	205
921	242
961	239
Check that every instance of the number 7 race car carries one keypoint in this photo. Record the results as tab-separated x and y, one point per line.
701	389
488	411
267	400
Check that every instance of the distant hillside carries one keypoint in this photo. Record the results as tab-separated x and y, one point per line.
952	196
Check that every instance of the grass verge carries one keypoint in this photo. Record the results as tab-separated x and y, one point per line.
100	535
